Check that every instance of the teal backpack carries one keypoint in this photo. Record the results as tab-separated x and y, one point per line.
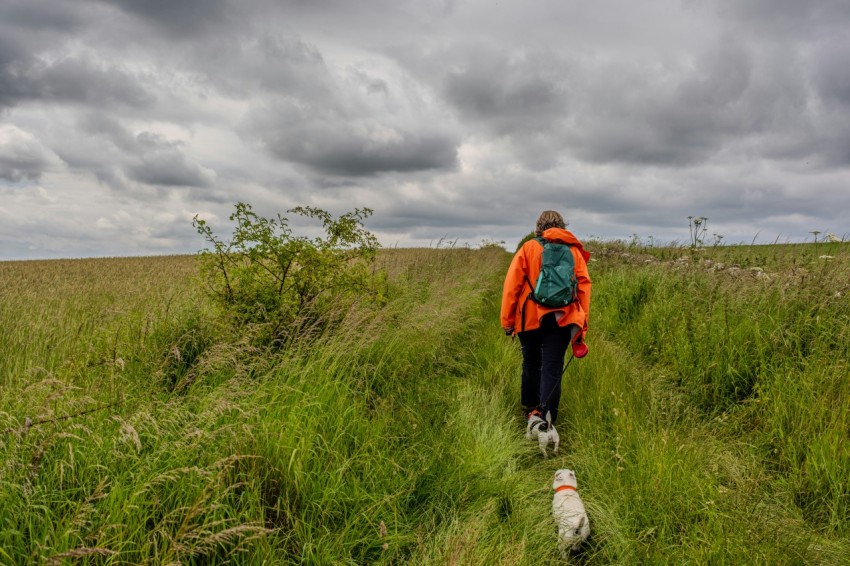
557	284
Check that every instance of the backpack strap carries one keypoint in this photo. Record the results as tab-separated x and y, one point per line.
542	241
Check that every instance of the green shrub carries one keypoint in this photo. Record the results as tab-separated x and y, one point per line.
286	285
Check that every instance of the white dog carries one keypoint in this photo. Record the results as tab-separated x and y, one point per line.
544	432
568	511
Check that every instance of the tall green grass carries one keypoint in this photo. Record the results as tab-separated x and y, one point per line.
762	350
707	425
187	446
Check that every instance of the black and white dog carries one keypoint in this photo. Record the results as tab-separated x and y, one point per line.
544	432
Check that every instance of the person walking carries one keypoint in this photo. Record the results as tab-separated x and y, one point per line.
545	332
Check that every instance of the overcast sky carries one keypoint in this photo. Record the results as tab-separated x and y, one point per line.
452	119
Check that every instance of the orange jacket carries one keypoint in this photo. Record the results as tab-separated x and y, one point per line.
525	268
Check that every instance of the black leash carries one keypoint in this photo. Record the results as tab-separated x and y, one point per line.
563	373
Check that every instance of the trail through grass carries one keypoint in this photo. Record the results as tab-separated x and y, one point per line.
138	429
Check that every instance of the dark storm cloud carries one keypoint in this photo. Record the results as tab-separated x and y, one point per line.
832	74
18	168
673	111
168	168
507	203
145	157
83	81
110	128
27	76
44	15
787	19
815	38
270	63
336	124
9	91
512	95
435	222
29	30
670	116
22	159
832	81
621	111
332	149
181	18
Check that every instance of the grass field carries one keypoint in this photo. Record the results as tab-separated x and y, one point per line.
709	424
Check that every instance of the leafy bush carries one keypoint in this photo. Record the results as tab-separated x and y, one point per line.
283	284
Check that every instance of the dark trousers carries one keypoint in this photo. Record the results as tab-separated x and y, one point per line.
543	351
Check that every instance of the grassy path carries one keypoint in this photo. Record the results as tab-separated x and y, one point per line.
663	482
398	438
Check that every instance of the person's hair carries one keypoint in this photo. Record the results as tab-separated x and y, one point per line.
548	219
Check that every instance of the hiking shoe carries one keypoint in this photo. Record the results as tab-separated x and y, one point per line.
579	349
